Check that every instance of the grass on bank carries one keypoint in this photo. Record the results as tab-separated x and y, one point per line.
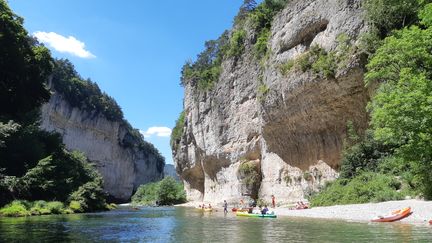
20	208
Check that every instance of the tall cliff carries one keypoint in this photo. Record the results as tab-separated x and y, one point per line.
261	130
118	151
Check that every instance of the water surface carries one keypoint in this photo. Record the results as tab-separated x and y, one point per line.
188	225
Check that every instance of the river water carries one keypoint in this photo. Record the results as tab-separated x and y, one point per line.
189	225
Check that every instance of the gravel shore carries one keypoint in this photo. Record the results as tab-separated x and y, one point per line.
422	211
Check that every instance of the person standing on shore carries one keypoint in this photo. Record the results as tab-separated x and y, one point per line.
225	206
273	201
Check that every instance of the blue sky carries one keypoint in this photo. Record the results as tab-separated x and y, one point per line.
133	49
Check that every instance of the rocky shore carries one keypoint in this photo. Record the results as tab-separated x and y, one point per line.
422	211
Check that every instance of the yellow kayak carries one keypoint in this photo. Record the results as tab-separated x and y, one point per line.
205	209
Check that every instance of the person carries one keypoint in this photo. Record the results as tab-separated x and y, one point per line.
209	206
273	201
265	210
225	207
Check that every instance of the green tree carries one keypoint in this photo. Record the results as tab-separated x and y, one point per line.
387	15
170	192
24	68
401	109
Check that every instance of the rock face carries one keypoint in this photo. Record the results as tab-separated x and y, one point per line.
239	142
169	170
123	168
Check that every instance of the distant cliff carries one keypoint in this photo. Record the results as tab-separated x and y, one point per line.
169	170
119	152
275	119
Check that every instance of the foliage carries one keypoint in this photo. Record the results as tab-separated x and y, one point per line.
146	194
401	110
408	48
24	68
388	15
263	90
364	156
170	192
84	94
248	171
164	192
236	44
425	15
263	14
177	131
206	69
366	187
245	9
90	196
19	208
260	47
317	59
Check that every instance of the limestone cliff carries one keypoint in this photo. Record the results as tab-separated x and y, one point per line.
123	165
240	141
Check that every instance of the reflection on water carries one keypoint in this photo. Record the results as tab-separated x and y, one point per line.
189	225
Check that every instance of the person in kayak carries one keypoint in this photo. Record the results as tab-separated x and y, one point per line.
265	210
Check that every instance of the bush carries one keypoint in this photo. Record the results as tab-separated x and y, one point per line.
249	173
146	194
55	207
366	187
164	192
170	192
90	196
236	44
364	156
260	47
76	206
15	209
177	131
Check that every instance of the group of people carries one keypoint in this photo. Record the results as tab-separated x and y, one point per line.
252	205
301	205
203	206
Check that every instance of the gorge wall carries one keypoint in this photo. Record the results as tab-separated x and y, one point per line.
258	132
108	144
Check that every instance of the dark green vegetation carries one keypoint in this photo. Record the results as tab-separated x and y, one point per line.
177	130
83	94
252	18
165	192
394	158
34	164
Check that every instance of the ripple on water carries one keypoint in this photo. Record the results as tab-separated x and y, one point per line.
169	224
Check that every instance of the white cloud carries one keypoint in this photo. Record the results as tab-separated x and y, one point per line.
158	131
64	44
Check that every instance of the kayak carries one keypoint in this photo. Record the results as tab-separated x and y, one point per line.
205	209
254	215
240	209
394	216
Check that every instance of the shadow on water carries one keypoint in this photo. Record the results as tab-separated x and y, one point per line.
189	225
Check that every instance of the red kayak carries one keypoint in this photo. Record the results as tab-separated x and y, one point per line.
394	216
430	222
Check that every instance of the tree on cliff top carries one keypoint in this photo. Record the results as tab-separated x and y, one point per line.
24	68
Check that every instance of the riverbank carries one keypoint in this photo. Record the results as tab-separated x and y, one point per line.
422	211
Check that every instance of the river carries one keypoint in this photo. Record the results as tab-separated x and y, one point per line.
176	224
